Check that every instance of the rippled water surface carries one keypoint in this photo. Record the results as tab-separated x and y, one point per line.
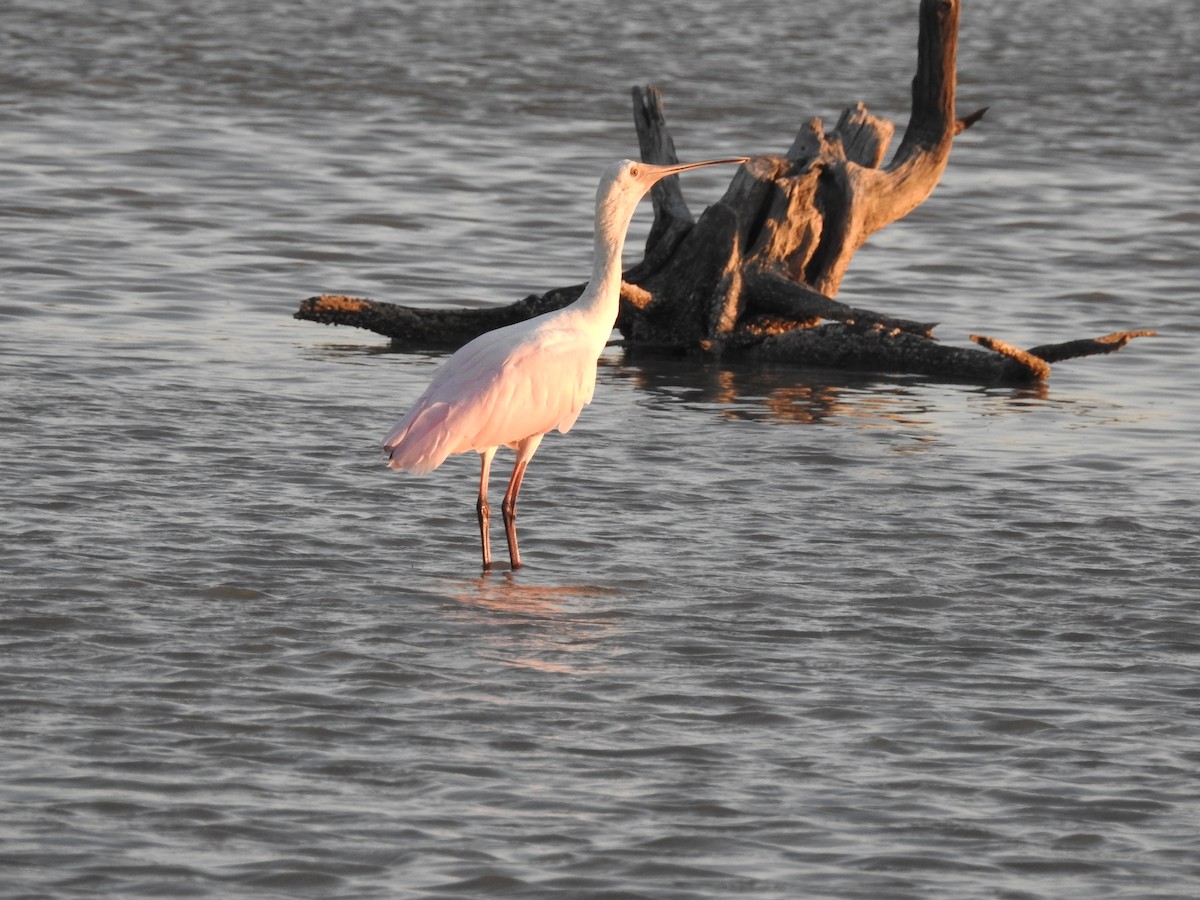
782	634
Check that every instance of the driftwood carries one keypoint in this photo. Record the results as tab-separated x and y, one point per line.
755	277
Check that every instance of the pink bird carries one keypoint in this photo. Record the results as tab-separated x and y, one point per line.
511	386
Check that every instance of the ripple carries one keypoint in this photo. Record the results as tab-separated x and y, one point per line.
781	631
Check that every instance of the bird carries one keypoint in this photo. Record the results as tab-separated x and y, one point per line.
513	385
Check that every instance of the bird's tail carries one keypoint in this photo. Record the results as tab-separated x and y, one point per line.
418	442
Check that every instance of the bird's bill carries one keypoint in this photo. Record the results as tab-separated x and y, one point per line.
676	168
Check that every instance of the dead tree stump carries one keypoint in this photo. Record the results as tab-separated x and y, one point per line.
756	275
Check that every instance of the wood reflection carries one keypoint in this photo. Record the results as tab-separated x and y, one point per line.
824	397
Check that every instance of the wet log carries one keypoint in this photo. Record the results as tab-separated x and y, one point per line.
411	327
756	274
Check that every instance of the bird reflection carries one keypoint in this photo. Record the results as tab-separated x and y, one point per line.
507	594
556	636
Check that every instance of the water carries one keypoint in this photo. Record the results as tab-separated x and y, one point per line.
782	633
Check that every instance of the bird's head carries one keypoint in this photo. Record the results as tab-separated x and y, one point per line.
633	179
626	181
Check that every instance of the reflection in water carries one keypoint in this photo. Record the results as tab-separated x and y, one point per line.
549	635
500	591
779	394
787	395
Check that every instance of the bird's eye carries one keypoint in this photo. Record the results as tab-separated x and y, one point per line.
635	171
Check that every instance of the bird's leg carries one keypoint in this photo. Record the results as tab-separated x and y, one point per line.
508	508
481	506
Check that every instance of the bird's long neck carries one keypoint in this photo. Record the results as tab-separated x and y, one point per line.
601	298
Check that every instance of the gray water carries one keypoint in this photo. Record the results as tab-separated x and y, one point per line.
782	634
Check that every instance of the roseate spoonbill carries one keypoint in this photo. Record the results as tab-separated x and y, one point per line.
513	385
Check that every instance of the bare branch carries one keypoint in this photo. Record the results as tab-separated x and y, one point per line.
1109	343
1038	367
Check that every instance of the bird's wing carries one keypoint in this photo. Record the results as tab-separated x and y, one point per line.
502	387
